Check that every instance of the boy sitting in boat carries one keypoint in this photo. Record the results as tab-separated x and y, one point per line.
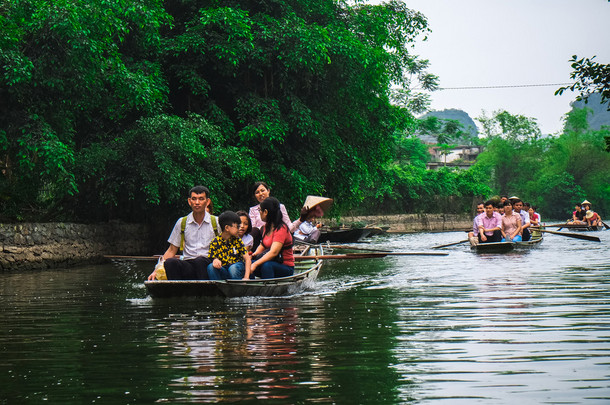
228	254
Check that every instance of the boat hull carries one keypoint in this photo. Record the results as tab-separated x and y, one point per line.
344	235
530	243
493	247
581	228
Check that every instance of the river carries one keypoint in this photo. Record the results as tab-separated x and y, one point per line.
525	327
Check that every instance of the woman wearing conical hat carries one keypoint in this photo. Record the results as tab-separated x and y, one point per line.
313	208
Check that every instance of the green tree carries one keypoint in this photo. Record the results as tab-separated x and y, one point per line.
90	89
591	77
512	150
72	72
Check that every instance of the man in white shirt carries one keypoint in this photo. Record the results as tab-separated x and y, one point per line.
191	234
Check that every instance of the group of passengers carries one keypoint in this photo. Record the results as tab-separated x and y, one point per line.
237	245
507	221
584	215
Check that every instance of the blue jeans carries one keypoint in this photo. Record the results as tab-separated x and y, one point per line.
234	271
515	239
273	269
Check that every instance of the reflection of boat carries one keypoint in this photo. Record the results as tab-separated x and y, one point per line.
343	235
305	272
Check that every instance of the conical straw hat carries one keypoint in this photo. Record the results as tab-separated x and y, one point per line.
585	202
324	203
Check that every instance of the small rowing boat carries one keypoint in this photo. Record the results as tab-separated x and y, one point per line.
577	227
502	247
347	235
533	242
305	273
493	247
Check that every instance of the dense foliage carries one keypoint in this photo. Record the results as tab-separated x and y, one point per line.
553	173
113	109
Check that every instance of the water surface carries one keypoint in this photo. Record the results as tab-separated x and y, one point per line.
529	327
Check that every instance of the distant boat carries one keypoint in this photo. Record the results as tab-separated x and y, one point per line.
343	235
577	227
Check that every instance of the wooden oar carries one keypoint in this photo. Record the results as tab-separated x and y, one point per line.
605	225
299	258
355	248
450	244
350	256
571	235
118	257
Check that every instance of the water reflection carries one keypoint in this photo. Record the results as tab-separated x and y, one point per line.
532	327
234	356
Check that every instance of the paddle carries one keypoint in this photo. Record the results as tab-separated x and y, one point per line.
299	258
350	256
571	235
354	248
450	244
605	225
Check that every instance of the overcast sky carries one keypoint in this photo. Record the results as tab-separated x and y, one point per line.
477	43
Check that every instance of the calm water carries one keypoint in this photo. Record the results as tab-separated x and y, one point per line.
529	327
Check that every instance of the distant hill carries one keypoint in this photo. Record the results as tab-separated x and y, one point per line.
453	114
600	116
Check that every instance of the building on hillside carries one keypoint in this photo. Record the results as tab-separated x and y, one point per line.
459	156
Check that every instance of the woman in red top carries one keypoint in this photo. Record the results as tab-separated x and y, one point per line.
277	258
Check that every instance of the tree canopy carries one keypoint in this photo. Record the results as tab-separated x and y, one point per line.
113	107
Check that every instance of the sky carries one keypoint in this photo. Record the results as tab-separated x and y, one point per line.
480	43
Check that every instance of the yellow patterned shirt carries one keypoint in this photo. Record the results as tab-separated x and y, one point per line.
228	251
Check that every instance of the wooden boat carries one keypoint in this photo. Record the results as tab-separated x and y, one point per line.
577	227
305	273
343	235
493	247
533	242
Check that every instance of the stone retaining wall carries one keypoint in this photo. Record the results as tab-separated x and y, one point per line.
406	223
41	246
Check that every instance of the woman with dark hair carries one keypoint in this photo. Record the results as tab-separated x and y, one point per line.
262	191
511	224
275	256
